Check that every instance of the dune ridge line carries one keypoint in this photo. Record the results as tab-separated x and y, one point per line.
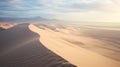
20	47
74	54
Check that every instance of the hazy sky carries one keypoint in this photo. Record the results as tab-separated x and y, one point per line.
75	10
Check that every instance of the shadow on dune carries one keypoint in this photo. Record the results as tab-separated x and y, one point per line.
20	47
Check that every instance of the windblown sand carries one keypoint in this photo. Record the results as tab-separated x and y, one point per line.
75	45
20	47
51	45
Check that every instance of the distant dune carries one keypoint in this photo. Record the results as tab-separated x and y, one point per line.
110	42
54	45
6	25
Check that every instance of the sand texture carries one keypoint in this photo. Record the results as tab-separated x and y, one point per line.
20	47
68	44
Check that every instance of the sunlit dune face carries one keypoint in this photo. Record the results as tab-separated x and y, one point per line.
7	25
74	44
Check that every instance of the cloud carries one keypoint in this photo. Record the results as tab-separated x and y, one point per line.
58	8
61	5
80	5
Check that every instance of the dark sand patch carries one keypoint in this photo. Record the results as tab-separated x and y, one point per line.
20	47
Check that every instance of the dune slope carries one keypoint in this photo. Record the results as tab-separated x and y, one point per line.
73	53
20	47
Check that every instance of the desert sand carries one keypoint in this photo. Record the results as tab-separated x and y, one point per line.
20	47
6	25
27	45
110	42
66	45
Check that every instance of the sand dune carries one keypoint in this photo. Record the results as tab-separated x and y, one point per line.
106	42
26	45
59	43
6	25
110	46
20	47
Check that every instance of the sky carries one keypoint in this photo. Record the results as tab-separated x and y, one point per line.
70	10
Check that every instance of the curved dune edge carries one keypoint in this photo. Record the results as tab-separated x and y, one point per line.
74	54
20	47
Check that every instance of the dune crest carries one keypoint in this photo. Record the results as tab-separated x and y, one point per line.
74	54
20	47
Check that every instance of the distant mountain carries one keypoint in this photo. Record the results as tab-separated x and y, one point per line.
9	19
